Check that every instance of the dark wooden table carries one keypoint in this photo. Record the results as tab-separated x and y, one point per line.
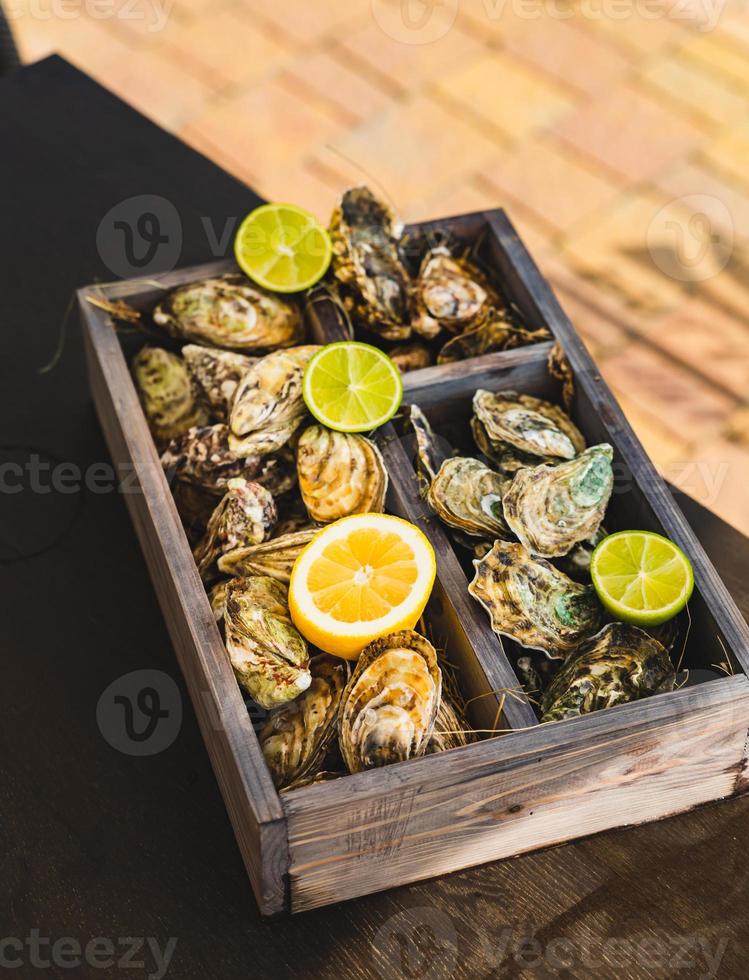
98	844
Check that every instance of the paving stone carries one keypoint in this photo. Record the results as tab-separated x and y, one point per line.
329	78
497	18
717	476
719	55
728	154
306	22
724	204
298	183
668	450
460	196
706	95
640	30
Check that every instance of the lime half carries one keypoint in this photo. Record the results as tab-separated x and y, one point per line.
352	387
641	577
282	247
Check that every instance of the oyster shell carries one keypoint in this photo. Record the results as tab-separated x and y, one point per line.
269	656
495	332
449	732
297	735
431	449
374	283
531	601
274	558
203	457
217	373
246	515
410	357
230	312
449	294
390	704
552	508
268	406
339	473
467	495
217	599
519	430
168	394
621	663
576	563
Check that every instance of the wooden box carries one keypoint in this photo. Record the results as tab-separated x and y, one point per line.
530	787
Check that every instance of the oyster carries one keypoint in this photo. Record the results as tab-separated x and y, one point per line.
390	704
576	563
217	599
374	283
533	602
468	496
410	357
230	312
245	516
496	332
297	735
168	394
519	430
449	294
268	406
274	558
204	458
552	508
339	473
621	663
269	657
431	449
217	373
449	732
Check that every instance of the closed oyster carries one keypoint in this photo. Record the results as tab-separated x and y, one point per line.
390	704
269	656
297	735
204	458
468	496
519	430
268	406
449	732
230	312
217	373
374	283
496	332
274	558
339	473
245	516
552	508
533	602
168	394
621	663
449	294
410	357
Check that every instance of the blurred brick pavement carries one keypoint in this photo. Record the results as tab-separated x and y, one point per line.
618	142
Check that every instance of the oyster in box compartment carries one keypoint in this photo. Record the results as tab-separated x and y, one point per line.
245	516
274	557
449	294
217	373
168	393
467	495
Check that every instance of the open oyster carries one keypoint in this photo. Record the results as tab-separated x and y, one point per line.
168	394
495	332
274	558
218	373
621	663
269	656
533	602
230	312
245	516
268	406
468	496
519	430
410	357
390	704
340	473
297	735
366	264
552	508
449	294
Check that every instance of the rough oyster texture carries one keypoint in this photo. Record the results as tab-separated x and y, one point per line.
274	558
410	357
449	731
431	449
217	373
621	663
467	495
339	473
245	516
519	430
495	332
449	294
533	602
230	312
268	405
297	735
552	508
390	704
168	394
373	281
269	656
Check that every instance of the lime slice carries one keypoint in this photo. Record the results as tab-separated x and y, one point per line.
282	248
352	387
641	577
